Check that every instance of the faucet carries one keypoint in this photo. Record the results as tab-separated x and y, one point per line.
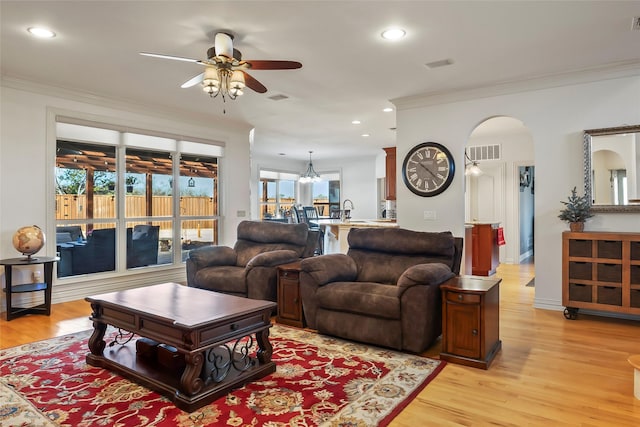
346	213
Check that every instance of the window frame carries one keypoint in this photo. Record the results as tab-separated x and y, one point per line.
270	175
180	145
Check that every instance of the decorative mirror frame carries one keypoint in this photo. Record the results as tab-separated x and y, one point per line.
586	146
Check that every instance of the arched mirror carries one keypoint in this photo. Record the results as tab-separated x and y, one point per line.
612	168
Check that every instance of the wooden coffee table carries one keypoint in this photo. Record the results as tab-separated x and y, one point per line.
209	332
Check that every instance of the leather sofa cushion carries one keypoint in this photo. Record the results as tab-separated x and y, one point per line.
271	232
229	279
382	255
401	241
256	237
367	298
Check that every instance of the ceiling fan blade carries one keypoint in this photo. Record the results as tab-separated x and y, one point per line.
273	65
175	58
193	81
252	83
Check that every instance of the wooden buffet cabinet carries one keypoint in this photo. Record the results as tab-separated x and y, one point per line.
485	252
600	271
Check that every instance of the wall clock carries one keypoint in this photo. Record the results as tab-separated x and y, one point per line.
428	169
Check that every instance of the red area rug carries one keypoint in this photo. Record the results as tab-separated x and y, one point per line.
318	381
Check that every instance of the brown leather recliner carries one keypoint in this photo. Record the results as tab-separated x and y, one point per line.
249	268
385	291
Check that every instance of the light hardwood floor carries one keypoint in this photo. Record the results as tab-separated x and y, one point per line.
550	372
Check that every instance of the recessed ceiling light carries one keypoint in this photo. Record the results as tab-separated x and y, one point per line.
393	34
387	110
355	122
41	32
365	135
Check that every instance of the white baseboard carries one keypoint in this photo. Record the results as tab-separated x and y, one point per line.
80	287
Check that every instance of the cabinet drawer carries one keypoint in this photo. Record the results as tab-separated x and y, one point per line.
611	249
579	292
635	274
609	295
635	250
463	298
580	270
581	248
635	298
290	275
609	273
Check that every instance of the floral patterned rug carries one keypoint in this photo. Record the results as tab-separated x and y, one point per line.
319	381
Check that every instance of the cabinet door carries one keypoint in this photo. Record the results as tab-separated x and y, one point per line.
463	329
289	298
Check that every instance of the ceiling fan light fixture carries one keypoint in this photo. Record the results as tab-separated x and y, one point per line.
211	81
236	83
224	73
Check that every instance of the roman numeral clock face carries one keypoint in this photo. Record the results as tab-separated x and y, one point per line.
428	169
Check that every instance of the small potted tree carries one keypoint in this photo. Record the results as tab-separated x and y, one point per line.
577	210
130	181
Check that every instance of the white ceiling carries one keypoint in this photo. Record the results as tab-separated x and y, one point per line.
349	72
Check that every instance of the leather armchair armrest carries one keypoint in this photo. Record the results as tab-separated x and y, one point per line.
425	274
330	268
272	258
208	256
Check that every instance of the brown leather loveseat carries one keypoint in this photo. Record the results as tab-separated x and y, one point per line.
385	290
249	268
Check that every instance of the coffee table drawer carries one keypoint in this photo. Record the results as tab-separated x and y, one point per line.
236	327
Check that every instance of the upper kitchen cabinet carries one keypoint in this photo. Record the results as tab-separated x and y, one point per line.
390	173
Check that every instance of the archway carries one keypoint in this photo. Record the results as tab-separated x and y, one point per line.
505	192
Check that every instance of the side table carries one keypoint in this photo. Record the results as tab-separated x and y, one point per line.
289	301
10	289
471	320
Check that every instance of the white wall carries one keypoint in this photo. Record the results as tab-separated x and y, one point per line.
556	117
28	159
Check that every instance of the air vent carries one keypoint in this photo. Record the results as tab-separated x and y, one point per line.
278	97
636	23
484	152
437	64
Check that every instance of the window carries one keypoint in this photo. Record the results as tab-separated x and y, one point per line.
277	193
146	220
326	193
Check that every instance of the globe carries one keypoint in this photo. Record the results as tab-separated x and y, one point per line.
28	240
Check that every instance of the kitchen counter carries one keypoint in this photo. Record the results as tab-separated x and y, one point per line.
336	231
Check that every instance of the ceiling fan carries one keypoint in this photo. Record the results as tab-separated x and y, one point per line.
225	70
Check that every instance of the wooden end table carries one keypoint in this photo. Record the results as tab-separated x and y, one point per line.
210	331
290	310
11	289
471	320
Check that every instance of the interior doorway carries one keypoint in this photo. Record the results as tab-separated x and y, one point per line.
505	191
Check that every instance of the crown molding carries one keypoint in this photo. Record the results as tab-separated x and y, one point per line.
587	75
165	113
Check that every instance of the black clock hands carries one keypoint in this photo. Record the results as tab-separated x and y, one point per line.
427	169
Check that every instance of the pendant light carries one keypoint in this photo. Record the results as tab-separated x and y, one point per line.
310	175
